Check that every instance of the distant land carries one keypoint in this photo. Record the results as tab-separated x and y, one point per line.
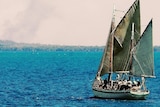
157	48
10	45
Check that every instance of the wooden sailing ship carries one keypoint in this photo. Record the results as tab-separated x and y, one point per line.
127	59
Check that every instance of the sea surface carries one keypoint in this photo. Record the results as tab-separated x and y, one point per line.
60	79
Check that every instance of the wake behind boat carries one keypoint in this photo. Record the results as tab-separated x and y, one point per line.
127	59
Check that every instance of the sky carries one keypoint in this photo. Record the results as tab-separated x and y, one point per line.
68	22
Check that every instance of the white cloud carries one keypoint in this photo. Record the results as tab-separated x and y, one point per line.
25	24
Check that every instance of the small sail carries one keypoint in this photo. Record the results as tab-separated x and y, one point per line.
122	34
143	54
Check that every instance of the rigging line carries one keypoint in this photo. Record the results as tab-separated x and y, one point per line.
127	62
137	32
119	11
138	63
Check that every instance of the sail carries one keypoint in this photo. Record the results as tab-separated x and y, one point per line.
143	54
105	65
119	40
122	34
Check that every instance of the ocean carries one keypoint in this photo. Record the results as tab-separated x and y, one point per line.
60	79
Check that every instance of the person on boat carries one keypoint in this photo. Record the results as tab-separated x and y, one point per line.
100	81
136	86
129	83
124	85
105	84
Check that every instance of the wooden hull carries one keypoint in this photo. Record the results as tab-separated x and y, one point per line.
128	95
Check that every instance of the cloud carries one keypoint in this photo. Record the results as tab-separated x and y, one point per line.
26	23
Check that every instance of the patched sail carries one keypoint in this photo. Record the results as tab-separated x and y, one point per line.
122	43
143	54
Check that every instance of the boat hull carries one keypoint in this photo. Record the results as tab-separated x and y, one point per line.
128	95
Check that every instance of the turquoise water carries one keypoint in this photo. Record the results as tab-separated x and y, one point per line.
60	79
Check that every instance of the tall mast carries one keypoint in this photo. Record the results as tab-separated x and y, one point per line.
132	46
112	43
132	37
132	49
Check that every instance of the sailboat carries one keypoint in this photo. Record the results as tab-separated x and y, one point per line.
127	59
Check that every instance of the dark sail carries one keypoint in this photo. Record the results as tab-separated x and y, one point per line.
119	40
122	43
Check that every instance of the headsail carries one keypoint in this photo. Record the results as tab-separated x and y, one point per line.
143	54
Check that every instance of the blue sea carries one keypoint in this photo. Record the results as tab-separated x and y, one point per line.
60	79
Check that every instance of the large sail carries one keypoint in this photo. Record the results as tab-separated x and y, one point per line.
143	54
122	42
118	47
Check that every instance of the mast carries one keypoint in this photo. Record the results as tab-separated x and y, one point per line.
132	48
132	45
132	38
112	44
